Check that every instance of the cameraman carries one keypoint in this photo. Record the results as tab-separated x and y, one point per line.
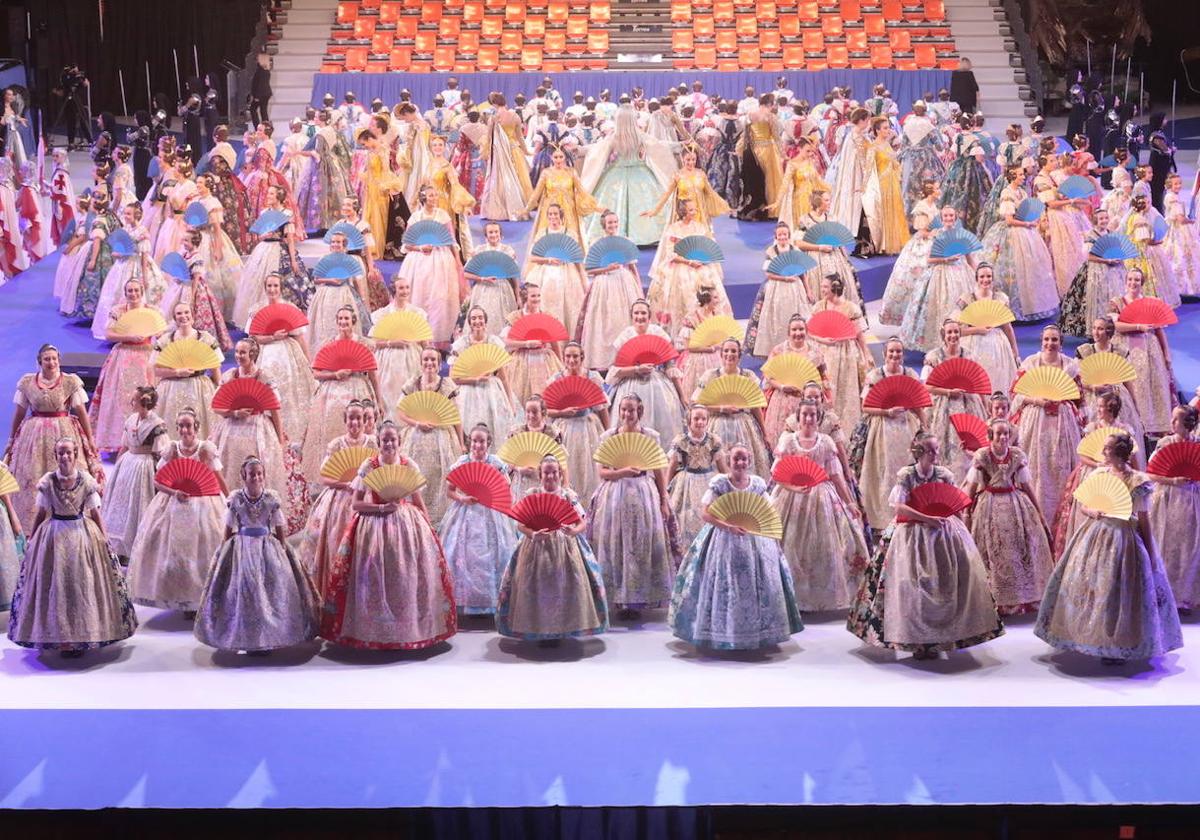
72	87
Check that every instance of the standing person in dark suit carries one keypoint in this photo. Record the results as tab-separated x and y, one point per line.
260	90
1162	158
963	88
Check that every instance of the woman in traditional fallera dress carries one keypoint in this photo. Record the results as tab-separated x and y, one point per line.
184	276
222	263
283	359
552	588
1176	501
780	298
733	424
484	399
800	179
581	428
1104	331
783	399
696	455
1152	259
888	432
935	295
100	257
628	525
335	390
330	181
563	285
127	366
692	362
1154	388
399	360
433	448
478	540
657	387
12	537
1064	224
951	401
131	485
524	479
610	292
436	274
74	253
183	387
179	534
1096	283
830	260
689	185
137	265
846	360
533	362
1182	243
330	513
70	596
913	259
334	293
497	297
921	145
823	538
389	587
967	182
883	201
242	432
50	405
275	253
993	347
258	597
926	588
1009	530
1022	265
1109	595
675	280
714	603
1048	431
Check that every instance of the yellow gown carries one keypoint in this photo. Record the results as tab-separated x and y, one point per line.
516	141
377	187
884	202
693	185
800	181
455	200
562	187
765	145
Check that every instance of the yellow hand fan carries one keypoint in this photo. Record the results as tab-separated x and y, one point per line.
402	326
1092	445
1106	369
343	465
987	314
750	511
143	321
1104	492
479	360
714	330
393	482
189	354
1047	383
8	484
527	449
430	407
630	449
791	370
734	390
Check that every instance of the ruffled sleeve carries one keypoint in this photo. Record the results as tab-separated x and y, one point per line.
717	486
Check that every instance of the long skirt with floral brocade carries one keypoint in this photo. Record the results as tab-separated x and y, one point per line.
552	588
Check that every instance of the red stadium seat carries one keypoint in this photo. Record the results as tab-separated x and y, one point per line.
723	11
681	11
347	13
577	28
331	67
556	42
838	56
726	42
431	12
488	59
807	10
597	43
381	43
510	43
531	58
449	28
356	59
793	57
935	10
727	65
678	64
893	11
766	10
789	26
746	26
683	42
369	4
814	41
364	29
468	43
851	10
491	28
706	57
472	13
900	40
443	59
514	12
406	30
703	27
875	26
424	43
389	13
925	56
831	26
948	63
557	12
749	57
770	41
535	28
856	40
601	12
881	56
399	59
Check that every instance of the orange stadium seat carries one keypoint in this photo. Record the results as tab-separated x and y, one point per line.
495	5
531	58
510	43
900	40
704	27
681	11
347	13
538	7
679	64
577	28
425	43
331	67
597	42
935	10
488	59
893	11
683	42
449	28
377	65
814	41
706	57
431	12
356	59
455	4
875	26
746	26
925	56
749	57
364	29
793	57
856	40
443	59
851	10
472	12
770	41
369	4
514	12
807	10
881	56
789	26
421	66
389	13
381	43
535	28
556	42
557	12
726	41
948	63
727	65
766	10
703	4
491	28
342	34
601	12
838	56
406	29
831	26
723	11
468	43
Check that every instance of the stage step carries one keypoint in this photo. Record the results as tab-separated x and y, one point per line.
983	34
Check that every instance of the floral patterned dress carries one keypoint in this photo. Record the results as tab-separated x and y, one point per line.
479	543
131	486
885	452
776	303
1170	506
1048	435
844	365
697	466
126	368
1021	262
195	392
580	436
435	451
957	459
967	182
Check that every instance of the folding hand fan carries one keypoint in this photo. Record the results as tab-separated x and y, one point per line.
833	234
1106	369
791	370
494	265
545	512
1047	383
484	483
537	327
344	354
963	374
713	330
526	450
798	471
245	393
187	475
275	317
972	432
732	390
609	251
1104	492
791	264
430	407
344	464
558	246
630	450
749	511
427	232
402	326
189	354
571	393
645	350
699	248
393	482
898	392
479	360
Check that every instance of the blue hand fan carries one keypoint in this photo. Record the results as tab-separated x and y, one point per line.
174	265
1076	187
154	168
1159	229
956	242
609	251
829	233
1110	162
428	232
195	215
122	243
558	246
68	232
1062	147
355	241
338	267
699	248
1030	210
1114	246
791	264
495	265
269	221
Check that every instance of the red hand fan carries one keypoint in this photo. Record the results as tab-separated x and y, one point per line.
963	374
344	354
1150	311
537	327
832	326
573	392
1177	460
898	392
545	512
188	475
936	499
245	393
484	483
972	432
645	350
798	471
275	317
